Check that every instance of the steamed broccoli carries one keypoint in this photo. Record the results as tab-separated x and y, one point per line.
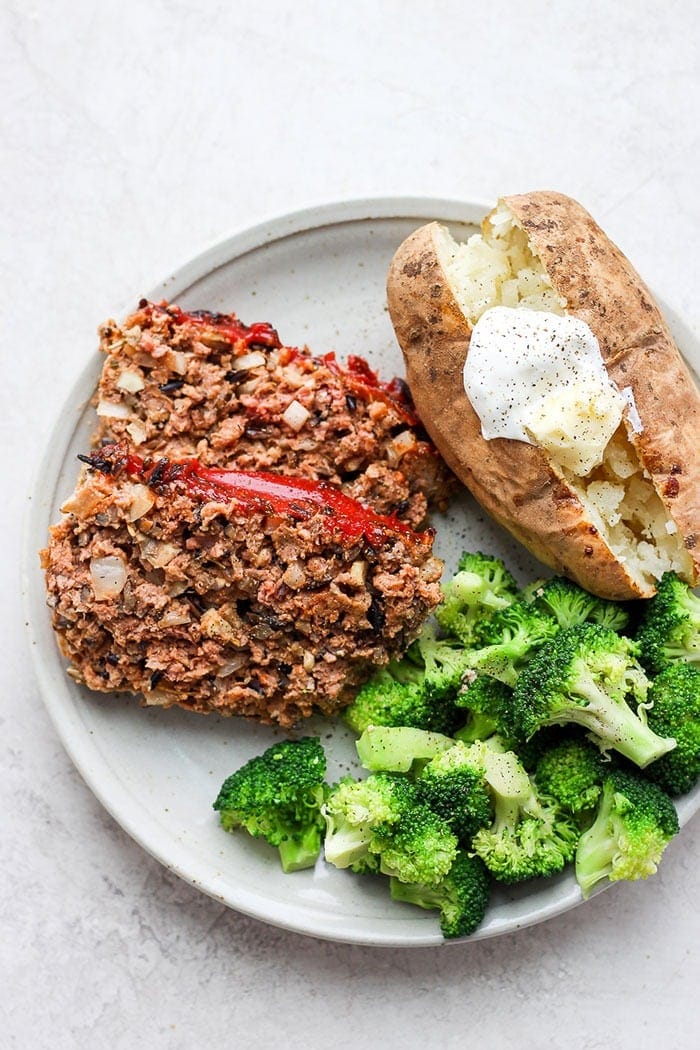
675	711
399	749
354	810
530	836
531	751
380	825
585	675
462	896
480	586
454	785
278	796
486	701
385	700
634	824
572	772
419	847
417	690
445	663
569	604
509	640
670	626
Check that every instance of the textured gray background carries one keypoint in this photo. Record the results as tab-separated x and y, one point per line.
133	135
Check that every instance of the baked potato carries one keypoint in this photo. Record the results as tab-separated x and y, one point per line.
635	514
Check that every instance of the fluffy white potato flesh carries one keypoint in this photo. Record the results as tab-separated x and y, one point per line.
498	268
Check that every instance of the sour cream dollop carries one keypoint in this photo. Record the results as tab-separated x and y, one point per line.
539	377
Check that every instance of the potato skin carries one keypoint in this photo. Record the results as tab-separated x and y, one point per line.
512	480
603	289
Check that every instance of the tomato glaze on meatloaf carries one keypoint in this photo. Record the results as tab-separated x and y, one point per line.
204	384
236	592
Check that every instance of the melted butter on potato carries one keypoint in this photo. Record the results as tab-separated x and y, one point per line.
539	377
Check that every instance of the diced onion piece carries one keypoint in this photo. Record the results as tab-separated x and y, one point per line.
294	576
252	360
113	410
131	382
400	445
132	335
177	587
358	573
142	499
214	626
108	576
177	361
158	697
232	665
157	553
295	415
137	432
174	618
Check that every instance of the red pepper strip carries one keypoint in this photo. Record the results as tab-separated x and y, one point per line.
363	381
227	326
296	498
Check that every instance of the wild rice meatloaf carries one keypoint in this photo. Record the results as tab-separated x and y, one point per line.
206	385
235	592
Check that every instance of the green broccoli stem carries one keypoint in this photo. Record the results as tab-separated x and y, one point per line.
347	846
419	894
398	748
301	851
479	727
680	652
492	660
615	724
596	849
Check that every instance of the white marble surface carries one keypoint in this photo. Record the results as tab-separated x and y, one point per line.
135	133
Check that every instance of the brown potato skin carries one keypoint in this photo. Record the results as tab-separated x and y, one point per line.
603	289
512	480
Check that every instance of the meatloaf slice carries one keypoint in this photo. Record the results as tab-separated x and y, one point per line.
206	385
228	591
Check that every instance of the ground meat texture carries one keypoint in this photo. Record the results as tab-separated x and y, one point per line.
222	608
201	384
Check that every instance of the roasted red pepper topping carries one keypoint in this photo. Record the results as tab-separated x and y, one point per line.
227	326
295	498
364	382
356	374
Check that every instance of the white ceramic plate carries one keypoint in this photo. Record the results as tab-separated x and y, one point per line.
318	276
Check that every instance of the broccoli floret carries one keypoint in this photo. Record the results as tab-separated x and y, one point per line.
380	825
278	796
386	700
510	639
462	896
416	691
675	711
530	836
572	772
480	586
531	751
419	847
354	810
445	663
399	749
585	675
455	787
487	702
569	604
634	824
489	705
670	625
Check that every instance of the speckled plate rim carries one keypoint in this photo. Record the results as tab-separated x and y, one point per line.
103	782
